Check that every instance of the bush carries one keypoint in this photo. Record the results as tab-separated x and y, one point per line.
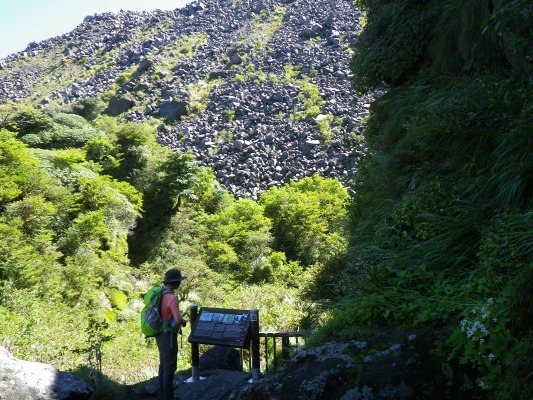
70	121
89	108
60	138
26	120
308	219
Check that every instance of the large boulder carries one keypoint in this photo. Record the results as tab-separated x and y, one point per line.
215	384
173	110
219	357
119	105
23	380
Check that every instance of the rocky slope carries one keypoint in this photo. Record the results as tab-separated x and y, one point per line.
258	90
390	365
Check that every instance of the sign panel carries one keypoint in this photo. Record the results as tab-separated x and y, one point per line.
223	327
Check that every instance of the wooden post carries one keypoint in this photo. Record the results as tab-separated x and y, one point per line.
285	354
266	353
195	348
254	319
275	352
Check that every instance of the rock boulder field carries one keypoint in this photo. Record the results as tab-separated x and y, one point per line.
259	90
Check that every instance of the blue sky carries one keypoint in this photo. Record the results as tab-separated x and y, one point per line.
25	21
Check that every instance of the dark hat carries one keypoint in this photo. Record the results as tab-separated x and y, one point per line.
173	275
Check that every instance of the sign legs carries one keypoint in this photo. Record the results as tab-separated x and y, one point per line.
195	348
254	319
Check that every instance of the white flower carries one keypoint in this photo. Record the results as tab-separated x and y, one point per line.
464	322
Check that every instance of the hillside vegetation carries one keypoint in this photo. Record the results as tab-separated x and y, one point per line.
442	212
434	234
86	229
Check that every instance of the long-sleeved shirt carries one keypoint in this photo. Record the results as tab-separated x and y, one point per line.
170	308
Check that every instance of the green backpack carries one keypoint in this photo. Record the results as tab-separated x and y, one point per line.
151	322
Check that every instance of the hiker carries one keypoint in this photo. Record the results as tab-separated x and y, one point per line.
167	341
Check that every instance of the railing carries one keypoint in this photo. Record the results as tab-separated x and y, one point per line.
286	345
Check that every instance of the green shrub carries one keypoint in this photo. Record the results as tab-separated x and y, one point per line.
516	372
126	76
31	214
69	121
19	170
392	43
199	94
26	120
221	257
100	149
240	235
230	115
89	108
308	219
66	138
324	126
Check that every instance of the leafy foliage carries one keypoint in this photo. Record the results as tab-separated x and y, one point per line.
89	108
240	241
393	42
308	219
26	120
443	196
87	225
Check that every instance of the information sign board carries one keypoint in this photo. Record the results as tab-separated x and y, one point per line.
223	327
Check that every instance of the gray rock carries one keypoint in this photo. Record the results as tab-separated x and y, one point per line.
309	33
405	369
144	65
215	385
217	73
235	59
258	7
173	109
119	105
23	380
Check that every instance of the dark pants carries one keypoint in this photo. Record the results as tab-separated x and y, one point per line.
167	343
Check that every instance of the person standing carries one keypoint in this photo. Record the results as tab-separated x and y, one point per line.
167	341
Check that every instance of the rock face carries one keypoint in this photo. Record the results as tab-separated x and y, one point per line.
257	90
396	366
215	384
388	365
22	380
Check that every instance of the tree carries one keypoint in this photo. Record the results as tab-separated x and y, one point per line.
89	108
25	120
239	240
308	219
178	175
